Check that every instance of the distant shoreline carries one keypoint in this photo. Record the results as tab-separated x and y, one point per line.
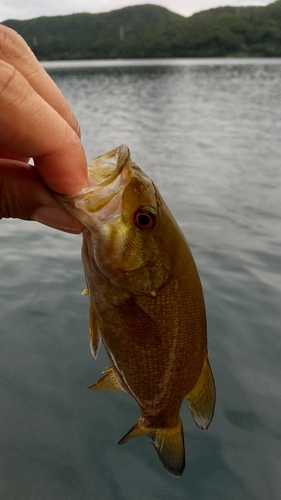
153	32
97	63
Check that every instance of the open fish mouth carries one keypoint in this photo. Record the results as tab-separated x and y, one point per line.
106	168
107	174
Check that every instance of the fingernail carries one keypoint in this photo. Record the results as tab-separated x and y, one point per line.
58	218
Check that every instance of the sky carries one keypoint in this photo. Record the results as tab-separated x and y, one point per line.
28	9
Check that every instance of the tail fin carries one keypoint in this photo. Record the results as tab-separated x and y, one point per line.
168	442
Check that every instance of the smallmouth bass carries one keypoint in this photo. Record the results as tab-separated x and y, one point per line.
146	303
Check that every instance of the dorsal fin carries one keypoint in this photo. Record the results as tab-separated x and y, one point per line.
94	332
202	397
168	442
108	382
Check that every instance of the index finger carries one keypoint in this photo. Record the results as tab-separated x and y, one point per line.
30	127
15	51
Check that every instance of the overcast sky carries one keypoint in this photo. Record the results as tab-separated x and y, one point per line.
28	9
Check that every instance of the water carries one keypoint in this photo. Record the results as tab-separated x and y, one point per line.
208	132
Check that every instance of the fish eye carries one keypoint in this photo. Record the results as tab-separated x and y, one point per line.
145	219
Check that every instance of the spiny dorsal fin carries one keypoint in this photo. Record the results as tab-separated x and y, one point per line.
168	442
202	397
94	332
108	382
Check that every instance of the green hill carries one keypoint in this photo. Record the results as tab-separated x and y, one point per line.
151	31
75	36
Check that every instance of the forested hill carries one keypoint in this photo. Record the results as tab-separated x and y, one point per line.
152	31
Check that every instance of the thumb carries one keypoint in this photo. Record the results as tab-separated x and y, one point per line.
24	195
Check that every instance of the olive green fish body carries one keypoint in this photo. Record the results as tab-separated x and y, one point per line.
146	303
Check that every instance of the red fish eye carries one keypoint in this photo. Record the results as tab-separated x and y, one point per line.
144	219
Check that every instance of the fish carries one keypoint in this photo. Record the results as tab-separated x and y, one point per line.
146	303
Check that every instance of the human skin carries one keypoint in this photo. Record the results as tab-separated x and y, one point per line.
36	122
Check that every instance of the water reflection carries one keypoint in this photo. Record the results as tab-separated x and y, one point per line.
209	135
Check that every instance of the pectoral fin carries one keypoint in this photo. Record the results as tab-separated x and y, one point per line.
94	332
202	397
145	329
168	442
108	382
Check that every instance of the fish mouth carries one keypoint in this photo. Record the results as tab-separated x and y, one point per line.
108	174
106	168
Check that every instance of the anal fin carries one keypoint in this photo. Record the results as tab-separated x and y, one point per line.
137	430
108	382
202	397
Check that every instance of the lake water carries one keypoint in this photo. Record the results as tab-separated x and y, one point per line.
209	134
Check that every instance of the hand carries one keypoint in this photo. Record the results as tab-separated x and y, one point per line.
36	122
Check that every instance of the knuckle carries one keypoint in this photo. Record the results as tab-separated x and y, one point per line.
8	74
14	90
12	45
